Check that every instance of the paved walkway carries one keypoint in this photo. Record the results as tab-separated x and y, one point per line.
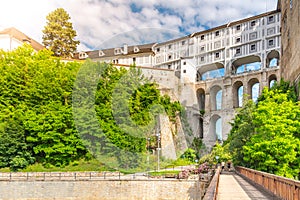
233	187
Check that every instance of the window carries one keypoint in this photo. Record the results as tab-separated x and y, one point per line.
253	23
237	40
202	59
183	43
252	47
184	71
170	57
271	43
238	51
217	33
238	27
170	46
271	19
184	63
202	48
133	59
217	55
169	66
202	37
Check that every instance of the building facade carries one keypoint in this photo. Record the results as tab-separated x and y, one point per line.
12	38
210	71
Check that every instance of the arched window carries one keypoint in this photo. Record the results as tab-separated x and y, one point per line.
238	91
216	98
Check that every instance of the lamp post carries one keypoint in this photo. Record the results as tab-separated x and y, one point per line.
158	142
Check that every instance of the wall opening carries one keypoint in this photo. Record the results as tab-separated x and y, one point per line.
272	80
237	91
215	130
253	89
201	99
216	98
246	64
211	71
272	59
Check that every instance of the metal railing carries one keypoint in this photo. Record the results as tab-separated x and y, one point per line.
284	188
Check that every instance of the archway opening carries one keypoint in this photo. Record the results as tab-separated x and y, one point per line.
246	64
253	89
238	91
272	59
201	99
272	80
211	71
216	98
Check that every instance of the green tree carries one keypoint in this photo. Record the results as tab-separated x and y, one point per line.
59	35
36	122
275	146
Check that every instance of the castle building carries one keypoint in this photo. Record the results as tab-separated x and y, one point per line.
209	71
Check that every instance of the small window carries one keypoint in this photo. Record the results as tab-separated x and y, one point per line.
133	59
271	19
253	23
169	66
202	59
253	47
202	48
183	43
238	51
170	57
184	63
217	33
170	46
271	43
217	55
238	27
202	37
157	49
184	71
238	40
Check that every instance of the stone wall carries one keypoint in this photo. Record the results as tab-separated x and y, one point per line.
104	190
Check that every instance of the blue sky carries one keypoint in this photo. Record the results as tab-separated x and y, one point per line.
102	23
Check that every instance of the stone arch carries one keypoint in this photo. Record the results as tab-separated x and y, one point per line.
273	58
253	88
215	128
237	94
246	64
216	97
201	99
210	71
271	80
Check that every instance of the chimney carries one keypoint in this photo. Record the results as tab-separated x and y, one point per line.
125	49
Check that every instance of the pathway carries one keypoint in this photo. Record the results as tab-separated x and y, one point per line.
234	187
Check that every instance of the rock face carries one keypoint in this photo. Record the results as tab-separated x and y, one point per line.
167	141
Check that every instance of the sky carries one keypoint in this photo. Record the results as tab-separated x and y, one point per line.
108	23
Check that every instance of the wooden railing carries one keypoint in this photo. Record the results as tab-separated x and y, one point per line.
284	188
212	190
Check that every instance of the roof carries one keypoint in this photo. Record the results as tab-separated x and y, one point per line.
144	48
15	33
236	22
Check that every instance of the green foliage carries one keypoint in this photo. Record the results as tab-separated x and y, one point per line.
36	123
266	136
59	34
190	155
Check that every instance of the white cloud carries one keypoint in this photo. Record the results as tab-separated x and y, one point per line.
97	20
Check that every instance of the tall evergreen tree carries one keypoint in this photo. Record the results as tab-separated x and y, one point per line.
59	34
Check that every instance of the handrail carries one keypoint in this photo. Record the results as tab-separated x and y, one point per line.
284	188
212	190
